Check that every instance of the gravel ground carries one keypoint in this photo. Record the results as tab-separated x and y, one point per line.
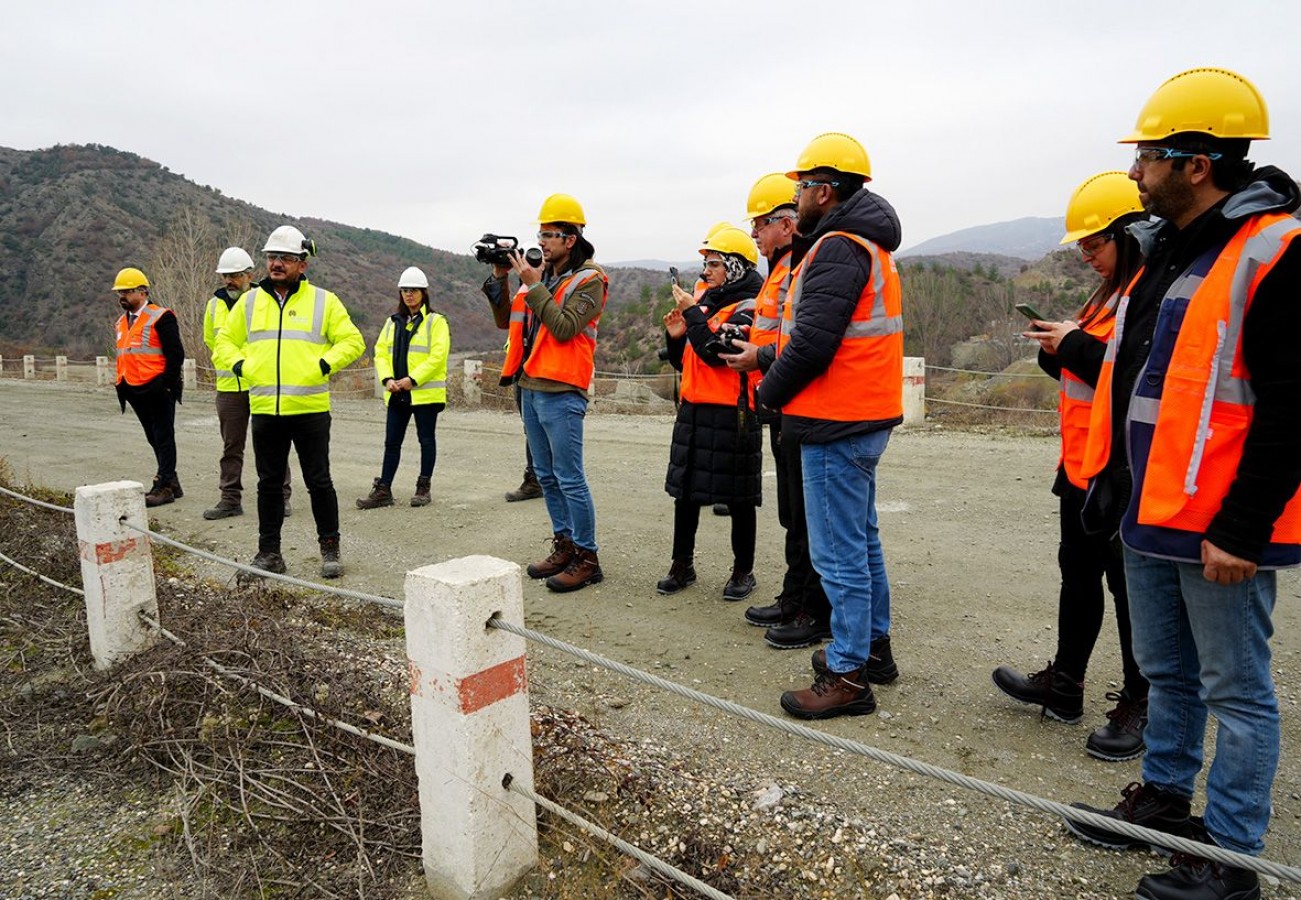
970	534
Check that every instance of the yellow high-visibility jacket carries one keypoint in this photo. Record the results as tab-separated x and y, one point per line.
426	357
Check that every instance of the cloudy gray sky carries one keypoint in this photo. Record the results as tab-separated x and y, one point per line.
439	121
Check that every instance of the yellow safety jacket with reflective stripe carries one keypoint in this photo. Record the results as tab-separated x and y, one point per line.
139	348
1075	405
281	348
864	382
426	357
214	317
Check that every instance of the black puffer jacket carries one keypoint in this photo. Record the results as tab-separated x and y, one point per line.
717	451
828	297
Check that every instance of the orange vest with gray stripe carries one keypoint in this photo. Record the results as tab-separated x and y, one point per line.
1076	403
703	383
1200	421
139	349
864	382
569	362
769	306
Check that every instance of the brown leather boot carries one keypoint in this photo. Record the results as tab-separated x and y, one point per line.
422	492
562	551
380	495
529	489
583	569
159	494
331	566
832	694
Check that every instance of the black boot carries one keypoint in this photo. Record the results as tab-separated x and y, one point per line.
1122	737
529	489
740	585
1141	804
782	610
1059	695
800	632
682	574
1194	878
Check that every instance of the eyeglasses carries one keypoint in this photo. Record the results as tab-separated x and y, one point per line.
713	263
769	220
284	257
544	235
1091	246
130	292
801	185
1146	155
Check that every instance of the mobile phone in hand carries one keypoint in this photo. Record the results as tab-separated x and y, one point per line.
1030	312
673	276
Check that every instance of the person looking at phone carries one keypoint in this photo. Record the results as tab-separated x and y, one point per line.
555	316
716	453
1097	215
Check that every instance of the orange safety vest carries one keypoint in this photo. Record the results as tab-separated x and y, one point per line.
139	349
569	362
769	307
1201	418
719	385
1075	405
864	382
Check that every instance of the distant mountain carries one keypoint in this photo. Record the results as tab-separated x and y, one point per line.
1029	238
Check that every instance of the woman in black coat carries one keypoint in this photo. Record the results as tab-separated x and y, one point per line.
716	455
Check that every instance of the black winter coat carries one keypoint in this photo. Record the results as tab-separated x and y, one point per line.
717	451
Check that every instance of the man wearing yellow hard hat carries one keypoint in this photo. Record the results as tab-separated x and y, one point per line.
149	358
1195	435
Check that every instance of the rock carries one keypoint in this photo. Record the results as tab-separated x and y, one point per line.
87	743
767	798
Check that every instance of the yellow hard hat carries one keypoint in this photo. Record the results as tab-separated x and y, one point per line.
129	279
1098	202
768	193
715	229
730	239
833	150
1216	102
562	208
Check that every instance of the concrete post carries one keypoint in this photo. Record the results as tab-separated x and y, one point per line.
914	390
380	390
472	382
117	569
29	367
2	365
470	724
60	368
103	375
189	375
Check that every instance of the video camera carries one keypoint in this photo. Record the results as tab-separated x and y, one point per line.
724	339
495	250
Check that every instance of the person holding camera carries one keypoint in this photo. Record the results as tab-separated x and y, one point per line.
551	355
716	454
411	364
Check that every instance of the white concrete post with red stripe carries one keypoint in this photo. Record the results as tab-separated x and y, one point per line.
470	725
914	390
117	569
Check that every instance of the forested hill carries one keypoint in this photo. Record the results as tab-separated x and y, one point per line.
71	216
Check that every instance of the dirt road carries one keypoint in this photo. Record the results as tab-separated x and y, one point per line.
970	535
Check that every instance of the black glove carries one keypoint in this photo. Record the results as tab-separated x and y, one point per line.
325	367
238	369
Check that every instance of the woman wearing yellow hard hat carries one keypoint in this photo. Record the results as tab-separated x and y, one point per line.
1072	352
716	452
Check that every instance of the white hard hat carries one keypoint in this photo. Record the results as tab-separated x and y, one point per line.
287	239
234	259
413	278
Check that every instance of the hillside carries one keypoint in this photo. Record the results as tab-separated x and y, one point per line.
1028	238
71	216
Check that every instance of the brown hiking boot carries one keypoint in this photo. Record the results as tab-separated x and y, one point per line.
562	551
583	569
331	567
422	492
380	495
159	494
175	485
529	489
832	694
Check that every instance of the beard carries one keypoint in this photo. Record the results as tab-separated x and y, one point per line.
1170	198
807	220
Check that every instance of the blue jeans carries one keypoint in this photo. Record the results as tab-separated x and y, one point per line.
553	424
845	543
1205	648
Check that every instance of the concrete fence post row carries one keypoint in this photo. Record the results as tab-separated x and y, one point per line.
29	367
467	681
189	375
104	372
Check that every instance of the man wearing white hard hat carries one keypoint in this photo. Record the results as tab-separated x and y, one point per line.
283	338
236	270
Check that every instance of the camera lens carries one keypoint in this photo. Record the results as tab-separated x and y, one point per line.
533	256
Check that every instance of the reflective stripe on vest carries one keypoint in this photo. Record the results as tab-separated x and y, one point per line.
139	350
568	362
282	365
864	382
719	385
215	316
1075	405
434	389
314	336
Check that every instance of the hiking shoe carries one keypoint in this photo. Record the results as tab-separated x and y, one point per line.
562	552
289	508
802	631
880	662
1194	878
1122	737
380	495
832	694
739	586
779	612
421	497
267	561
223	510
529	489
583	569
722	509
160	494
1059	695
175	485
682	574
331	567
1141	804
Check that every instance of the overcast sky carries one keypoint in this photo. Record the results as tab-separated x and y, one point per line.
440	121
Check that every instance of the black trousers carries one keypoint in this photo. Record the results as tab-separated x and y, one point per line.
686	521
309	434
801	581
156	411
1086	560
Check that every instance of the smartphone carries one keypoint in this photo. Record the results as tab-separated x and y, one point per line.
673	276
1030	312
